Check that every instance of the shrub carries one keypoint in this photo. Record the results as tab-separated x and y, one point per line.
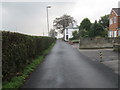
18	50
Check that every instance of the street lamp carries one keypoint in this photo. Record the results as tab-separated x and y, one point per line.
47	18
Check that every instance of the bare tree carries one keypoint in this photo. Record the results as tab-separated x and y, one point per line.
52	33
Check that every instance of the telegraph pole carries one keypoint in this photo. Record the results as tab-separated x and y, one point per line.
48	18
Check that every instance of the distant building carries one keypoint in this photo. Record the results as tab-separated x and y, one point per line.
114	23
68	31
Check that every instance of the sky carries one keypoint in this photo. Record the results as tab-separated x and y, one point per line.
30	16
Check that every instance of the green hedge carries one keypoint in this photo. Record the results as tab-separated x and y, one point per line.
18	50
116	46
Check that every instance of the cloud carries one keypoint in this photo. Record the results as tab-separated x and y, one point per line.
0	16
93	9
40	0
30	17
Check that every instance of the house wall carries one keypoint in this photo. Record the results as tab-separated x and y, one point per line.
118	21
69	33
113	28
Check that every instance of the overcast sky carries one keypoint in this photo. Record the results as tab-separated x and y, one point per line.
29	17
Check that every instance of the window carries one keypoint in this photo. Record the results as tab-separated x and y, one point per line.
110	33
119	33
115	20
111	21
115	33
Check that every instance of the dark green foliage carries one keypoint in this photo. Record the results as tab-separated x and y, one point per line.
100	28
83	33
18	50
85	27
17	81
75	35
104	21
116	46
96	30
85	24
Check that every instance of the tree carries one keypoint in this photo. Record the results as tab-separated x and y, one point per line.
104	21
96	30
87	29
84	27
52	33
62	22
85	24
83	33
75	35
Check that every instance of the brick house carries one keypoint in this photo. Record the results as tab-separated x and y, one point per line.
114	23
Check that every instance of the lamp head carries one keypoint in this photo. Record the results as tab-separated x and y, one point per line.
48	6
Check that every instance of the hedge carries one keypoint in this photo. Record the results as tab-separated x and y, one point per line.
18	50
116	46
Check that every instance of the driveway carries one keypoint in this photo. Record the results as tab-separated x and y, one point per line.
66	67
109	57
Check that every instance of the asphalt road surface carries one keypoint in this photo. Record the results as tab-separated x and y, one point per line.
66	67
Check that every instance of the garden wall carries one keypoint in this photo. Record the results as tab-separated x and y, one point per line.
94	43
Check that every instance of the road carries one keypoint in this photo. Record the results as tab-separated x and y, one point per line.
66	67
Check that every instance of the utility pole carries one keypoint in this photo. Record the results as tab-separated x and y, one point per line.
43	32
48	18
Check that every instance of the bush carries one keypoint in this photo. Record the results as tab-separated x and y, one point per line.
18	50
116	45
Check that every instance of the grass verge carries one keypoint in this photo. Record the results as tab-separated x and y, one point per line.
17	81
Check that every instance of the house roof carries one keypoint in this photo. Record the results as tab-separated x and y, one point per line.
72	26
117	11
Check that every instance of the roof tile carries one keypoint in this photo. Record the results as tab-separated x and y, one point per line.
117	10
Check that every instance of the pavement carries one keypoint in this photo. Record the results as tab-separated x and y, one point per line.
109	57
66	67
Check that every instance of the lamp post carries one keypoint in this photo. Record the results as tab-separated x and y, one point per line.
48	18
